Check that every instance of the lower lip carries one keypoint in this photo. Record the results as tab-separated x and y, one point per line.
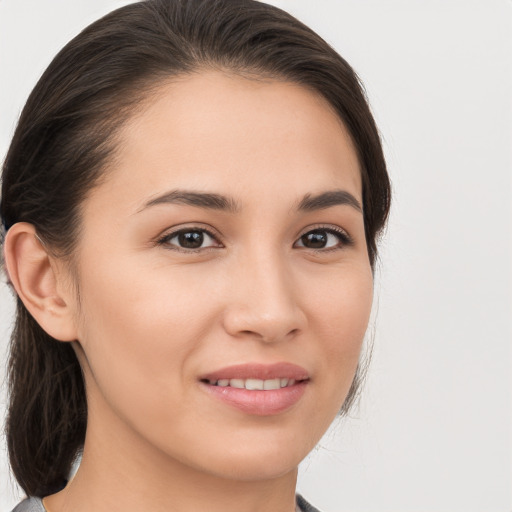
256	402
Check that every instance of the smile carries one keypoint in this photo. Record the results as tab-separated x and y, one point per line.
254	384
258	389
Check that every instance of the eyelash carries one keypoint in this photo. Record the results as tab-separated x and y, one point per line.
164	240
344	239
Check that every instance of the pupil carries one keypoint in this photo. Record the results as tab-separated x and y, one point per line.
315	239
191	239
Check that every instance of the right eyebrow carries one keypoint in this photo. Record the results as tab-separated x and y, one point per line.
207	200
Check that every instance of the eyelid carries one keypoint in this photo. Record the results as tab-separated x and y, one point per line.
342	234
172	232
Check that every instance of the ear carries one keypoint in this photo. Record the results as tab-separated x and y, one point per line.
35	277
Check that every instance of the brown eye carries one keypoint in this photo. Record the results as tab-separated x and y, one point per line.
314	239
323	239
190	239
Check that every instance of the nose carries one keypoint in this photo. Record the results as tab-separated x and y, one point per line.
264	302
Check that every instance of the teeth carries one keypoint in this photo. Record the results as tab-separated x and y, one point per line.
237	383
255	384
272	384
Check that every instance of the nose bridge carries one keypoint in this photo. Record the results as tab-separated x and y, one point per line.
265	300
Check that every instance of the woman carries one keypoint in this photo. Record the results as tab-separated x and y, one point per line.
191	201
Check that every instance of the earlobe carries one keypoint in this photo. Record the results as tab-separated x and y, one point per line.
32	272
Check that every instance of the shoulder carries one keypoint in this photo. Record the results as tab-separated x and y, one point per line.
30	505
304	506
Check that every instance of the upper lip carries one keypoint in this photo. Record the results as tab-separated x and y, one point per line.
258	371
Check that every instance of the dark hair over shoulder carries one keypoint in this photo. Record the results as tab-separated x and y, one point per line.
66	136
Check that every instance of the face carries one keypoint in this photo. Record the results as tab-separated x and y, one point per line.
225	250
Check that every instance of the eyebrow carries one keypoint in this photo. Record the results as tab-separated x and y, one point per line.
212	201
327	199
205	200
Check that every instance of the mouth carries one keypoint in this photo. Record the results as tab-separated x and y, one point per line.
254	384
258	389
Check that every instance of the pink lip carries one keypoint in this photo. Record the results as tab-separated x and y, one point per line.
256	402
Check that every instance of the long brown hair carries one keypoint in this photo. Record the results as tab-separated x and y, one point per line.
66	136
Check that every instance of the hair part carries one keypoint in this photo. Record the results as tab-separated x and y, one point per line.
66	138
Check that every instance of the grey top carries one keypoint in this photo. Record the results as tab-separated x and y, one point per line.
30	505
36	505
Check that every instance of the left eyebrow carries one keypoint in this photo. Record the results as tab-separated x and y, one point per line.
327	199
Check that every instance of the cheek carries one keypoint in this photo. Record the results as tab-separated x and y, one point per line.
136	334
340	307
340	320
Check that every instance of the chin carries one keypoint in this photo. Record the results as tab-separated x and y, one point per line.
257	470
261	460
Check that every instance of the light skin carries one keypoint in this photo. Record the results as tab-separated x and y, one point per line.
282	276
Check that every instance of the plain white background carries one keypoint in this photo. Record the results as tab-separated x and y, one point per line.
434	429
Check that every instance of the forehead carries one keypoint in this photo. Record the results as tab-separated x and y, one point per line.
213	131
